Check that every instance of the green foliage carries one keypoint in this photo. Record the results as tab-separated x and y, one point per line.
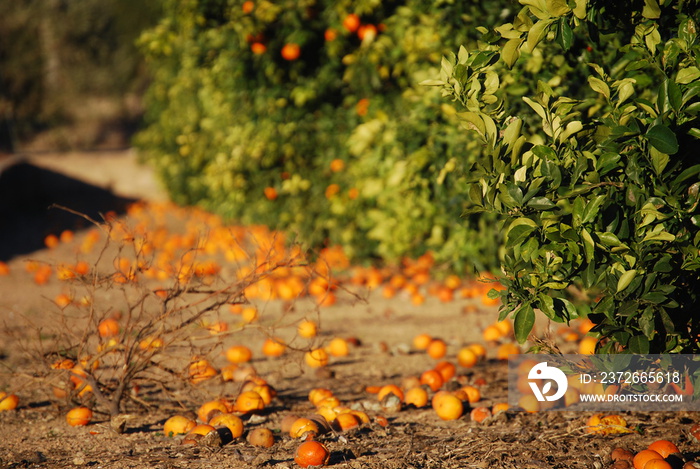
588	116
229	117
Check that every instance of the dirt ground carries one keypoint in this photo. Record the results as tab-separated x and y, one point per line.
36	434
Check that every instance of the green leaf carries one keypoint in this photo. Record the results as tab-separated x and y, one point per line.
663	264
638	344
557	7
673	94
599	86
625	279
686	174
659	236
523	322
510	53
536	34
658	161
651	9
663	139
565	36
518	234
432	83
592	208
512	132
541	203
537	107
588	244
609	239
546	305
687	75
565	309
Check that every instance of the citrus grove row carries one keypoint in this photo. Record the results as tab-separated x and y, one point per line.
551	142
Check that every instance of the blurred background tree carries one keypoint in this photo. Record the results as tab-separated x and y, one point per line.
70	74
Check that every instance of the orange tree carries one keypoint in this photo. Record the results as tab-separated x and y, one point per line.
308	116
587	112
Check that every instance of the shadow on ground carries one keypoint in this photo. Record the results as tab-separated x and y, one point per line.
27	193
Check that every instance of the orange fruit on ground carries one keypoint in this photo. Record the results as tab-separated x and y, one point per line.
211	408
200	371
657	464
473	394
331	402
346	421
327	299
664	447
388	292
500	407
338	347
410	382
643	457
307	329
328	413
587	345
622	454
78	416
571	397
417	299
504	350
238	354
466	357
273	347
312	453
249	401
302	426
446	369
361	416
51	241
63	364
505	327
287	421
261	437
108	327
447	406
351	22
316	395
62	300
291	51
316	358
390	389
529	403
422	341
249	314
417	397
267	392
201	429
8	401
437	349
492	333
478	349
433	379
479	414
178	425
